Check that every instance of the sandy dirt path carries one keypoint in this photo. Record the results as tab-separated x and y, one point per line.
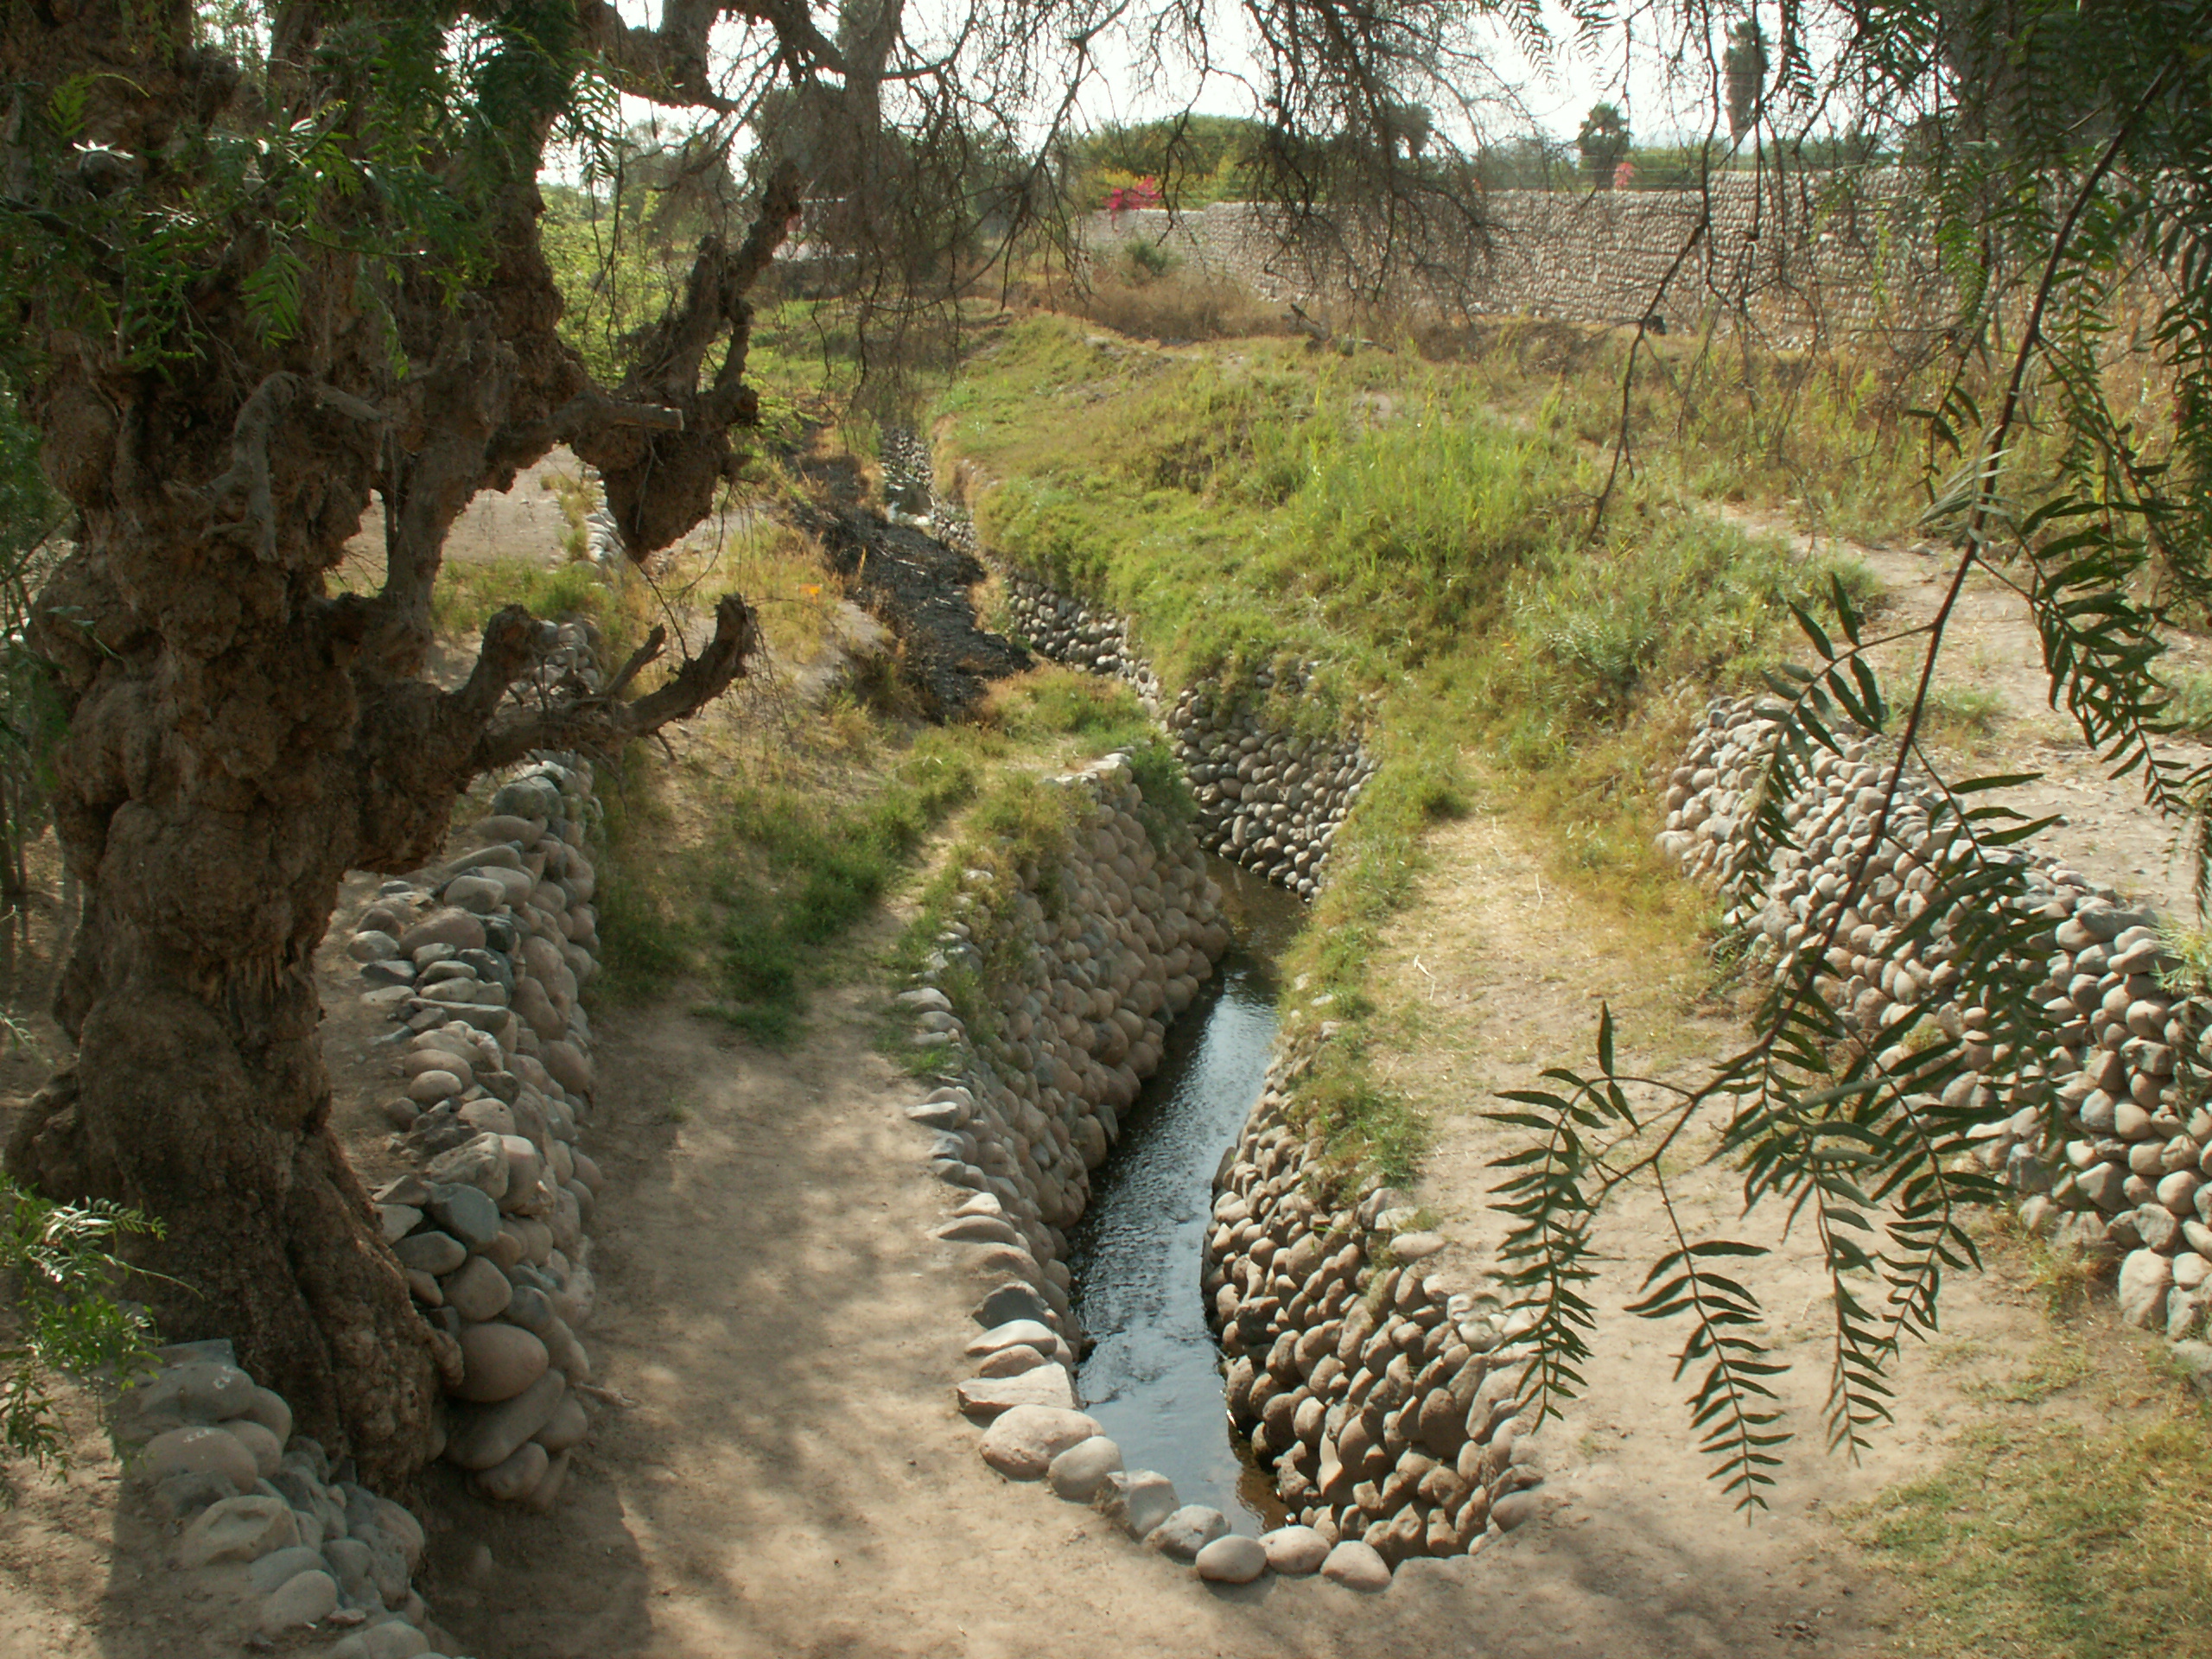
791	1476
1991	646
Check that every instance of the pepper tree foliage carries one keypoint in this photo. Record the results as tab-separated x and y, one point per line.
2064	153
62	1263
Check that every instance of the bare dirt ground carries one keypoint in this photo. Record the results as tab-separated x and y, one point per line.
1991	647
526	522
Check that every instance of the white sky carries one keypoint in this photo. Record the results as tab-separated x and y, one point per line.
1554	96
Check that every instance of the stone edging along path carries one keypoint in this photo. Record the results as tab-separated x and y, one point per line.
2128	1176
263	1518
1062	1024
480	963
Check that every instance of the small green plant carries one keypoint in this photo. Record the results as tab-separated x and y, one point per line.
1958	714
792	863
469	591
577	495
2190	708
1149	260
62	1266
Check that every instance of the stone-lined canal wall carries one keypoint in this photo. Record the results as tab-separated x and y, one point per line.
1269	797
1387	1399
2122	1165
1050	992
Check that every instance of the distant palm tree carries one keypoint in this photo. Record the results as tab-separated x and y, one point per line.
1746	65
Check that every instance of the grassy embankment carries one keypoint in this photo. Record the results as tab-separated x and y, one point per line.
1253	503
743	855
2066	1520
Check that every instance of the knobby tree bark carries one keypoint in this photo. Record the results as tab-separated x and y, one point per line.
239	736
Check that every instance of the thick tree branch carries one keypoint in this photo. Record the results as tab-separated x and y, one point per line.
660	483
269	405
671	64
602	720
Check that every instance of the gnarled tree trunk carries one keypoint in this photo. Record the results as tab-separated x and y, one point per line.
238	737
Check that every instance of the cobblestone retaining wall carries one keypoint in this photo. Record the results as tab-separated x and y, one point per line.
1050	1039
262	1517
1269	798
482	963
2120	1166
1385	1398
1811	256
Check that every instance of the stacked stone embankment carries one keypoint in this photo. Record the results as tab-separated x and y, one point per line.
1809	256
262	1517
1072	973
1067	976
482	963
1387	1399
910	492
1270	797
2118	1163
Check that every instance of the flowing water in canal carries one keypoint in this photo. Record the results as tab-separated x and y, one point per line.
1153	1380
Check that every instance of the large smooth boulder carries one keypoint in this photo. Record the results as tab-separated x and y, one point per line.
1023	1441
239	1529
1045	1385
1293	1552
1233	1560
198	1451
2145	1277
1078	1472
447	926
483	1436
1355	1566
501	1360
1187	1531
1136	1502
302	1600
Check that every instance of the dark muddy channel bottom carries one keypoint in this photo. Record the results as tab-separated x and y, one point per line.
1153	1379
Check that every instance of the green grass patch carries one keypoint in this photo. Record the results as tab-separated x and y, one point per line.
2052	1540
1258	505
776	858
1962	714
2190	707
469	592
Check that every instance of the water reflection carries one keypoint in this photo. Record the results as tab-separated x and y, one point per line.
1153	1381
